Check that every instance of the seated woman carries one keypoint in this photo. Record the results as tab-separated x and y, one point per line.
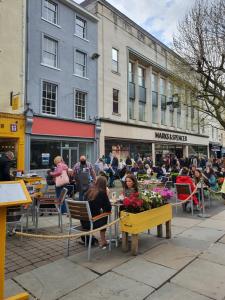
99	203
130	185
184	178
148	170
210	174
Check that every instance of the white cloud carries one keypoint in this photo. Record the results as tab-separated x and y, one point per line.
158	17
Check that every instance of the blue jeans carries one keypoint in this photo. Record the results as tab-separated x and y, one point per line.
58	190
81	195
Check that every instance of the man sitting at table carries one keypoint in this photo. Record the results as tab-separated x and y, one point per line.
184	178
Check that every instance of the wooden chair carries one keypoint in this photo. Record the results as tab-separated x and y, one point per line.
80	210
184	189
51	205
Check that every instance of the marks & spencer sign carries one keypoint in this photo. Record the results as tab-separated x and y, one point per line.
170	137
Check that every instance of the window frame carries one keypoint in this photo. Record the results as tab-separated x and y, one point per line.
143	105
84	37
115	62
75	63
44	37
56	12
75	104
115	101
56	100
142	77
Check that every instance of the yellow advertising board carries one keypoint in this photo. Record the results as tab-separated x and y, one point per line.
12	193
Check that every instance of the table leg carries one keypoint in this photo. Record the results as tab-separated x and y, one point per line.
168	229
159	230
134	244
124	241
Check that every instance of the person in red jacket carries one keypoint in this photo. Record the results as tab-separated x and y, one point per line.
186	179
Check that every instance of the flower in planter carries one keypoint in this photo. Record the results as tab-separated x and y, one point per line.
145	200
164	192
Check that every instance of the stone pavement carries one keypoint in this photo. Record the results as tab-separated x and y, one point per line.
189	266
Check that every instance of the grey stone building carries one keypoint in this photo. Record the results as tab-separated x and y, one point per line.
61	83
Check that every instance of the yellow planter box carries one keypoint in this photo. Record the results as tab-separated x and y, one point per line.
137	223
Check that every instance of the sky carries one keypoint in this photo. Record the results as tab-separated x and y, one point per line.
158	17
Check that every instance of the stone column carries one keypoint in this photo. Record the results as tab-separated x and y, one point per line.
148	108
159	102
136	103
153	153
185	151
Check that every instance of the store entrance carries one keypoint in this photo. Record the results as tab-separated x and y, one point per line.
70	156
9	145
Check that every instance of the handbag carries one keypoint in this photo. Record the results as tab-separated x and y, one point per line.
62	179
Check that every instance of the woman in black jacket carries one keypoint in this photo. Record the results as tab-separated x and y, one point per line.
99	203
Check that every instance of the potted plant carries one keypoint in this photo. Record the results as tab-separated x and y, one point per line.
143	211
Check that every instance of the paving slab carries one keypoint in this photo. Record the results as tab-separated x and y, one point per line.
55	280
219	216
185	222
146	272
204	277
111	286
222	240
174	229
102	261
12	289
148	241
213	223
174	292
215	253
190	243
170	255
201	233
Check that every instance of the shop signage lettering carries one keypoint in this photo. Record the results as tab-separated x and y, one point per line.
13	127
171	137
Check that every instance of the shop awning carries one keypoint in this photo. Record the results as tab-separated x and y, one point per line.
47	126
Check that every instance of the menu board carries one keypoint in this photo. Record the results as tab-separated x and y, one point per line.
13	193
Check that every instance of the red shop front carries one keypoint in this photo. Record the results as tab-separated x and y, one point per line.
52	137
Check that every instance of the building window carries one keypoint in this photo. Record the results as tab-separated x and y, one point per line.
163	100
115	101
141	111
131	72
50	11
154	98
50	52
141	76
49	98
131	108
171	109
80	63
192	117
80	105
80	27
115	60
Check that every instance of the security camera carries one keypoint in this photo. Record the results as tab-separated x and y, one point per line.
95	55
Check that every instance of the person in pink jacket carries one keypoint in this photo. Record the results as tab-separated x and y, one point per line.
60	167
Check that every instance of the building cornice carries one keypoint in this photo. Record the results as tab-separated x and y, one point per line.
105	120
72	4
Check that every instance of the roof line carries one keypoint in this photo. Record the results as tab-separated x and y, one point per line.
131	22
80	8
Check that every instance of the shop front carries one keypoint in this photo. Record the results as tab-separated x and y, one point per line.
123	140
12	137
51	138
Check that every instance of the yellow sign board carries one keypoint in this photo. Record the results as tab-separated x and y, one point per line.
13	193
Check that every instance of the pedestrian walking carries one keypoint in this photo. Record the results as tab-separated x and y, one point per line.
84	174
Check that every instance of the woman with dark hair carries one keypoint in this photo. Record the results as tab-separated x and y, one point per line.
210	174
130	185
99	203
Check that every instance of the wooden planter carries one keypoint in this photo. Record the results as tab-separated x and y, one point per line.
136	223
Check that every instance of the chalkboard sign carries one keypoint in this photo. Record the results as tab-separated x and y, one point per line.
13	193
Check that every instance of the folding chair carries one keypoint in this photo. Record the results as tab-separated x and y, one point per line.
80	210
184	189
14	217
51	205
